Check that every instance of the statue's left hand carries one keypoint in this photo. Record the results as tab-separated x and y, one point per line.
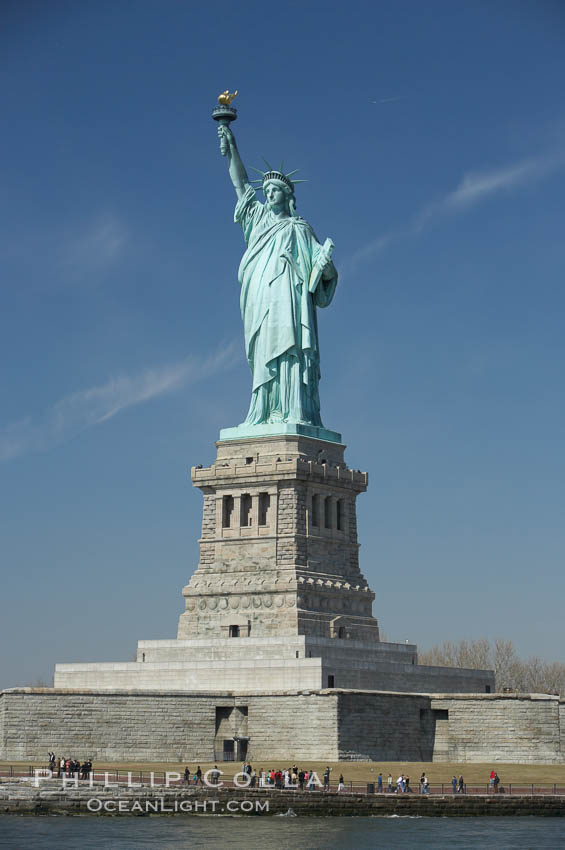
326	264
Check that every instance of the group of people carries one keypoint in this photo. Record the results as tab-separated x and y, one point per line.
494	782
297	779
196	776
212	777
62	766
291	778
288	778
402	784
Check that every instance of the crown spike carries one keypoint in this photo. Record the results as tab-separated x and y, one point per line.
290	173
269	166
258	170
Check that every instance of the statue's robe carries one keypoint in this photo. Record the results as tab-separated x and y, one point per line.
279	313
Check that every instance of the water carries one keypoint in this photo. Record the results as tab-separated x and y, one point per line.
273	833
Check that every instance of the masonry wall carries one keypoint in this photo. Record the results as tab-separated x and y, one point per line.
501	727
110	726
363	674
198	676
156	726
384	727
510	728
301	726
308	725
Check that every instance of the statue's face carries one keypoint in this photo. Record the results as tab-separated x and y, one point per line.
275	195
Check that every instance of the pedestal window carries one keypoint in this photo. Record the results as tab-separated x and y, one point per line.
328	512
315	517
227	511
245	511
264	505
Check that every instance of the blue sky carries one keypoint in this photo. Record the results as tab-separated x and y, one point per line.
432	135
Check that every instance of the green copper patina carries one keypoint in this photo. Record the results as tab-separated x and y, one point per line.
285	274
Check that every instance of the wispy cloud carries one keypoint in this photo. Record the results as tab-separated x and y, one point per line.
61	254
96	245
478	186
81	410
372	248
474	188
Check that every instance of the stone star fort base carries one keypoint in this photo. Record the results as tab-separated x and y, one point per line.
278	652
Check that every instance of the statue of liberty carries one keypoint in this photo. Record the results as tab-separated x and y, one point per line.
285	274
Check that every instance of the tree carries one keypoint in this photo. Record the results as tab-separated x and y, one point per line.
532	675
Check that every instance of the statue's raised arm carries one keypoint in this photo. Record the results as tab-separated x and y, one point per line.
224	114
237	170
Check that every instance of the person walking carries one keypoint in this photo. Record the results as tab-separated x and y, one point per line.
454	784
461	785
380	783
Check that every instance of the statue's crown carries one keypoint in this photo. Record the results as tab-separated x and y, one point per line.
277	174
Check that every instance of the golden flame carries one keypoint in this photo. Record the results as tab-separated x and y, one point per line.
225	98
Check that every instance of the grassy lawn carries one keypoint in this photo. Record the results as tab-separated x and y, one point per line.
361	772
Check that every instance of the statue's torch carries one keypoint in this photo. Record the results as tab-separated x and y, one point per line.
224	114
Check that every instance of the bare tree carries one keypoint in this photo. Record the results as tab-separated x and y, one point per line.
532	675
475	654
